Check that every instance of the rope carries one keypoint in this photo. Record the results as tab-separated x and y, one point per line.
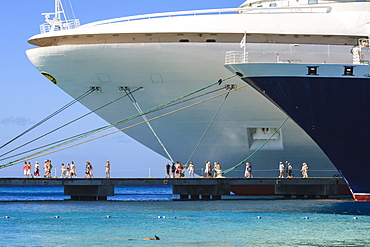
116	123
64	125
138	108
47	118
119	130
46	145
259	148
209	125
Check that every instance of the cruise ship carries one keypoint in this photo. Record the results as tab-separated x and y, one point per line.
156	58
329	101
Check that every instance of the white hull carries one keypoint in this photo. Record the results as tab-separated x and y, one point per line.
182	70
146	52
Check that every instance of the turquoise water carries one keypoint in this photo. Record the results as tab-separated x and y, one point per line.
179	223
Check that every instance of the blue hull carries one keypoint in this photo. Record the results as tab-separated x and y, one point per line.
330	102
333	111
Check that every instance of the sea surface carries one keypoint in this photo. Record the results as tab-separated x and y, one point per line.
40	216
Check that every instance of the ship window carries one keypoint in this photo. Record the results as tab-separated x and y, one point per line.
312	1
272	4
96	89
312	70
183	40
210	40
348	70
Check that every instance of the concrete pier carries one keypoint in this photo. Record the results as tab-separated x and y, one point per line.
193	188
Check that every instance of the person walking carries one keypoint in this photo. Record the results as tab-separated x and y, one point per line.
29	173
25	169
91	169
208	169
290	170
168	168
107	169
73	170
281	170
304	170
180	169
50	167
217	170
286	168
191	169
248	170
87	169
173	170
37	170
63	171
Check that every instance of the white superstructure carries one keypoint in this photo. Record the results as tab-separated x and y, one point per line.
171	54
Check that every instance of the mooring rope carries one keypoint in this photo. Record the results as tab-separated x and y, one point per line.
66	124
259	148
112	125
47	118
46	145
119	130
206	130
138	108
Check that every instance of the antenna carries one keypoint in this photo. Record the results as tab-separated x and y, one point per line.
58	20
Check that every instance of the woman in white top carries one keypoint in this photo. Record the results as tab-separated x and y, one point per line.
281	170
208	169
191	169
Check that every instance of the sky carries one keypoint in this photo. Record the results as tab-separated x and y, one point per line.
27	97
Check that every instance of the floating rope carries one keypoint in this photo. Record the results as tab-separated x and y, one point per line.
114	124
259	148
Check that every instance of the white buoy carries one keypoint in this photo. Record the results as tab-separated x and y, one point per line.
355	218
259	217
57	216
107	216
306	218
6	217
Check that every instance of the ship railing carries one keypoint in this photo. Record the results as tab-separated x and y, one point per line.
59	25
235	57
244	10
358	51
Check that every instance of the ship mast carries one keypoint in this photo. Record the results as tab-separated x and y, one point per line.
58	20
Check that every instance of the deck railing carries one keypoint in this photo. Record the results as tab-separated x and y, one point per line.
235	57
64	25
246	10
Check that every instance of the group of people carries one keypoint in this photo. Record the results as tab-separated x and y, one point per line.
289	169
213	172
48	167
177	170
67	171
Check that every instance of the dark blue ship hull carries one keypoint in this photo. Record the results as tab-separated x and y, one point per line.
334	112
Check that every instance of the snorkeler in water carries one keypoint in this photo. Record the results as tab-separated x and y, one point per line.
155	238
